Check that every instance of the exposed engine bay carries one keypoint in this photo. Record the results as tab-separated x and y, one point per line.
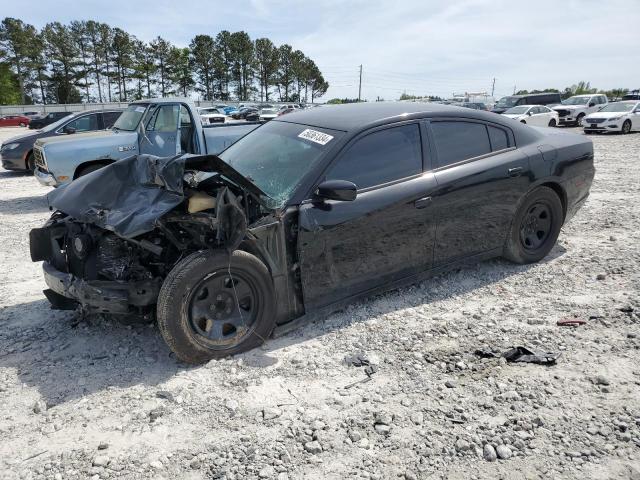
112	253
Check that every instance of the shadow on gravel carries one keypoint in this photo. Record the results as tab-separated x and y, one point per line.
65	357
17	206
447	285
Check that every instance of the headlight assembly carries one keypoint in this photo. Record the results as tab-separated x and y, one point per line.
613	119
10	146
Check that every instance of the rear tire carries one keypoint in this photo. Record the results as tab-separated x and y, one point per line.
626	127
205	313
535	227
552	122
22	124
579	119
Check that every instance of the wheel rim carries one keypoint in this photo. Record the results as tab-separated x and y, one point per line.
535	228
626	126
552	123
223	309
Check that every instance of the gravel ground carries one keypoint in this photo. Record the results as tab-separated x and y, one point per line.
90	398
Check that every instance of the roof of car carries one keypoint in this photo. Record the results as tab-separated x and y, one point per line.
357	116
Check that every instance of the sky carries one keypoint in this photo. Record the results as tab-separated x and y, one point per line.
420	47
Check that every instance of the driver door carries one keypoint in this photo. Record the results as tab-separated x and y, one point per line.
162	131
387	233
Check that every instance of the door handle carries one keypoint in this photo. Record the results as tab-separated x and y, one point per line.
422	202
515	172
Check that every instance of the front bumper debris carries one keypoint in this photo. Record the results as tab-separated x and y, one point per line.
101	295
45	178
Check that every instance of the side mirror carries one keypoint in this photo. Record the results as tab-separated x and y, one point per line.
69	130
592	104
337	190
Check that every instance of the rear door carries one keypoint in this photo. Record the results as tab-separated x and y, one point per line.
385	234
480	177
162	131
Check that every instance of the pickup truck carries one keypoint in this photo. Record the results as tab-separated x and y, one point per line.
162	127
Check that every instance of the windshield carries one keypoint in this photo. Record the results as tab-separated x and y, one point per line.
618	107
576	101
507	102
517	110
276	156
268	110
130	118
54	125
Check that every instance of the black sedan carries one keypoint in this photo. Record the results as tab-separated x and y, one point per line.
48	119
243	112
304	215
17	153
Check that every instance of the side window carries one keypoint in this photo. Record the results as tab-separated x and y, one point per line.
458	141
498	137
380	157
165	119
185	118
84	123
110	118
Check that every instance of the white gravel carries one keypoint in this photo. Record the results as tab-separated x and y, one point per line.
94	399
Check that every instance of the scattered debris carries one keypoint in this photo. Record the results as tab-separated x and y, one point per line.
524	355
570	322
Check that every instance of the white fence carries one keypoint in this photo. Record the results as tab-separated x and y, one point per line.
79	107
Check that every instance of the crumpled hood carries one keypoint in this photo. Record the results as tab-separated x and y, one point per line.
128	196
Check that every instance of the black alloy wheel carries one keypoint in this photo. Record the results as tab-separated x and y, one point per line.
223	308
535	226
626	127
212	305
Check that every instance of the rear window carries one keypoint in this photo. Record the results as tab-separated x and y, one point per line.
498	137
459	141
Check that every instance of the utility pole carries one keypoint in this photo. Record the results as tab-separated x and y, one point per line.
360	85
514	89
493	86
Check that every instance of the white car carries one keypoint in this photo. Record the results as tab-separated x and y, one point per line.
211	115
575	108
622	117
267	114
537	115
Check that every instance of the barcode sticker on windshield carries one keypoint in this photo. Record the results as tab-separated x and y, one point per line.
316	136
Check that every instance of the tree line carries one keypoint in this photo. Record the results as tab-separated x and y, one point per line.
580	88
89	61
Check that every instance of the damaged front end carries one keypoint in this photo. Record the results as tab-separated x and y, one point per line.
117	232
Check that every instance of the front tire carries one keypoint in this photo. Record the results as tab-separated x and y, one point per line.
535	227
522	121
204	312
30	163
626	127
579	119
88	169
552	122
